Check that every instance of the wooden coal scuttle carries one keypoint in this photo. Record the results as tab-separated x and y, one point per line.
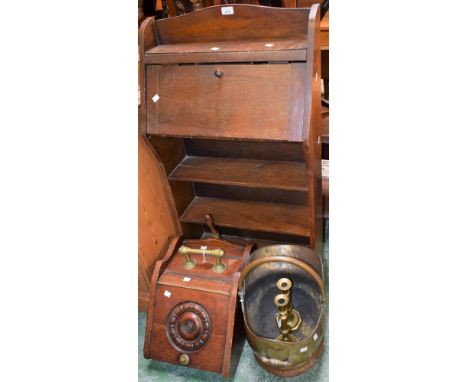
193	316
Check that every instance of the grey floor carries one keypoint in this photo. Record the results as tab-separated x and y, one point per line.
247	371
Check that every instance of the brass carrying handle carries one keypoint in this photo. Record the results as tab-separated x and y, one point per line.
219	267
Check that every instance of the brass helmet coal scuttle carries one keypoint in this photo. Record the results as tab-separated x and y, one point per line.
281	294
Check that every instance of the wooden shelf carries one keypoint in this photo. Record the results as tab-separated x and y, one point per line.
232	46
242	172
243	240
269	217
233	51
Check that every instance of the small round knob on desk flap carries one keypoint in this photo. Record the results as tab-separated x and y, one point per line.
218	73
184	359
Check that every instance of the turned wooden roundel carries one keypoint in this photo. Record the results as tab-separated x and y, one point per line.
188	326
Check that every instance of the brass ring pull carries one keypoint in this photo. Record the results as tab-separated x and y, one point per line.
218	73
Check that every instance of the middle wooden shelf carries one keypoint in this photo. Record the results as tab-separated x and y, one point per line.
242	172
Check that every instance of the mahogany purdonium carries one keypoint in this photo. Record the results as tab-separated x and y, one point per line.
281	292
193	305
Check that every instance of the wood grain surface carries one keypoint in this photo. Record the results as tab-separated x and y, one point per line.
216	293
157	221
232	51
243	172
247	23
247	102
223	128
268	217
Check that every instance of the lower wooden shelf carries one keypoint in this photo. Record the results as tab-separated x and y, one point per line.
268	217
243	172
244	240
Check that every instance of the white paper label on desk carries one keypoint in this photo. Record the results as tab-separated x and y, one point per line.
167	293
303	349
227	11
155	98
187	279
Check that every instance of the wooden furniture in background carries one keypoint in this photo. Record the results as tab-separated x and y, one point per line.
231	103
180	7
324	48
141	14
325	54
156	225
